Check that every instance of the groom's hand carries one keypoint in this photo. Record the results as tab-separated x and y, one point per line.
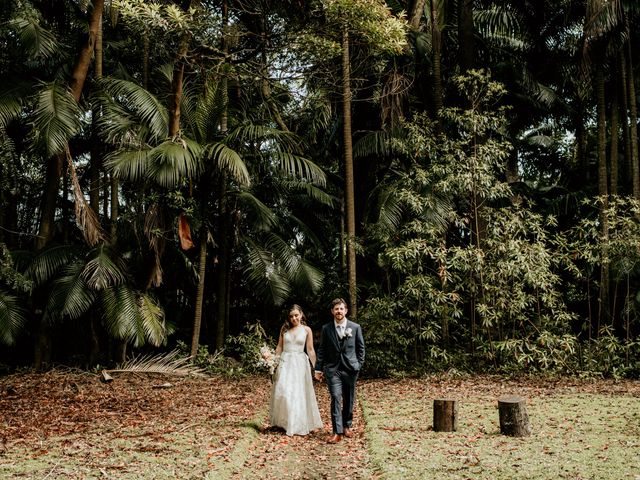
318	375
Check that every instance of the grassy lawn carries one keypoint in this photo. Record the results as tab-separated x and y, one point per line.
68	425
583	432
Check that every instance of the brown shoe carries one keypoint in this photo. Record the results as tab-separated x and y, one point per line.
348	433
335	438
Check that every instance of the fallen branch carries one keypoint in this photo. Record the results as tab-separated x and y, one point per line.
165	364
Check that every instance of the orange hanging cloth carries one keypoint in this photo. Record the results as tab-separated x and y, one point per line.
185	233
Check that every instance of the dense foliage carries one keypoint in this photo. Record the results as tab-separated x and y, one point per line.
177	173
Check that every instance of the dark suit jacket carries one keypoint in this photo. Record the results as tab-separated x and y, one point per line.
333	352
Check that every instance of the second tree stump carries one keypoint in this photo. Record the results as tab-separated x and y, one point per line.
445	415
514	420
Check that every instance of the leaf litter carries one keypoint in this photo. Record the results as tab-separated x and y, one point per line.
67	424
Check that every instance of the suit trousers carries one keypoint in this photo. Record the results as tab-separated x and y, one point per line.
342	388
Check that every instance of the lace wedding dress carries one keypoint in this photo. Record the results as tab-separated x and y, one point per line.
293	404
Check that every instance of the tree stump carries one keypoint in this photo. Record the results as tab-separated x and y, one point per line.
514	420
445	415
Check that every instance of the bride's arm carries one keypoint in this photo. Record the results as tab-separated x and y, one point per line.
280	344
311	353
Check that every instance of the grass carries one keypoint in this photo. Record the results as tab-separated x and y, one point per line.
69	426
575	436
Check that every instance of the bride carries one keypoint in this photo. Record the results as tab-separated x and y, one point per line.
293	404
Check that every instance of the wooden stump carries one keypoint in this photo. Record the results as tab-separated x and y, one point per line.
514	420
445	415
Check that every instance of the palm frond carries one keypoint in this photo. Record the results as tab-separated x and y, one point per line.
56	117
86	218
210	108
313	192
263	274
165	363
37	41
131	164
388	208
10	107
174	161
373	143
133	316
144	104
501	26
227	159
152	320
104	270
296	268
260	134
12	318
300	167
116	124
70	296
265	218
48	262
120	312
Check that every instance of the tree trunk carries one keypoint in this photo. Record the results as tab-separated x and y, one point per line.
114	209
145	60
626	131
348	173
633	120
197	319
613	144
223	266
417	10
514	420
54	165
445	415
602	191
466	41
176	89
436	45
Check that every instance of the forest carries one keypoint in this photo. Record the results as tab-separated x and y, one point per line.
465	173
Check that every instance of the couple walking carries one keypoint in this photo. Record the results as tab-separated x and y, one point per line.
340	356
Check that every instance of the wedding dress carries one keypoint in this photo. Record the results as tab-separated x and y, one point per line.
293	404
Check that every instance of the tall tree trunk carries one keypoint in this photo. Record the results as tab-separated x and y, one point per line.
115	209
417	10
633	120
176	89
197	319
603	192
145	60
348	171
613	144
54	165
223	265
581	157
436	45
466	41
626	131
95	168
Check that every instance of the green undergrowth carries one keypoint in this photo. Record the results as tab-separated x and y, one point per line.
574	436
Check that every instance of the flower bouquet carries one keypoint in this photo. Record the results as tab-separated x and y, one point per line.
268	359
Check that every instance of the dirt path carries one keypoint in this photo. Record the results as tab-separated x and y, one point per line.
272	454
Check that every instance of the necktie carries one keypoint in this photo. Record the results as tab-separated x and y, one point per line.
341	331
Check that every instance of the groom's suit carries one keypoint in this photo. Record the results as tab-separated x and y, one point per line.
340	360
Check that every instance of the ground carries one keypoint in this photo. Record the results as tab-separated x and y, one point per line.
68	424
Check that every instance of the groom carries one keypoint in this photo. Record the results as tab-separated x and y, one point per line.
339	359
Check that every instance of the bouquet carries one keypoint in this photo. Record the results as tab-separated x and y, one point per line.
268	359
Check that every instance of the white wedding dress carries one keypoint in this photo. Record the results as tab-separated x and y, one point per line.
293	404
